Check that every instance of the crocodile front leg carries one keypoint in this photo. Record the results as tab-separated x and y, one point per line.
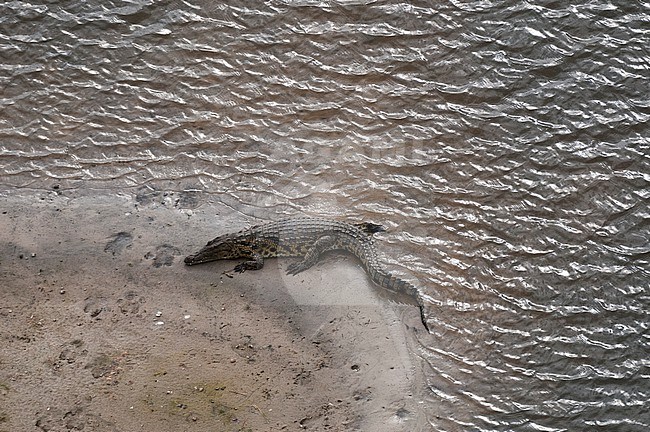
319	247
255	262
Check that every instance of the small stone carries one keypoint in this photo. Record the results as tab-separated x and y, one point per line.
158	314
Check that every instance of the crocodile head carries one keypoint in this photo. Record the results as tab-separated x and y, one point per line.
230	246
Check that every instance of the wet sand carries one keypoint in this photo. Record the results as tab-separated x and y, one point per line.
105	329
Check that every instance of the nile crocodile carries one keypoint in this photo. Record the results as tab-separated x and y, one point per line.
305	237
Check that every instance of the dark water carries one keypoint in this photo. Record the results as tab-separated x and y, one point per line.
506	144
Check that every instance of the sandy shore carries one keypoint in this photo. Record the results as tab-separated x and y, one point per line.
104	328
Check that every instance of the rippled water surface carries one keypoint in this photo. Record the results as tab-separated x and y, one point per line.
506	144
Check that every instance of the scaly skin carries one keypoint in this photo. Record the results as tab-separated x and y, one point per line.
308	238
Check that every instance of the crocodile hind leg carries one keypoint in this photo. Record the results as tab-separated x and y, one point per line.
370	228
321	245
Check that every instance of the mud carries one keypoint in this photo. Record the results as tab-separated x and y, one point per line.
103	328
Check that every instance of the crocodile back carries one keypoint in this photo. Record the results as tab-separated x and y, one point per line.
296	236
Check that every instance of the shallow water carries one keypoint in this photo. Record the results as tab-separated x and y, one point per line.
505	145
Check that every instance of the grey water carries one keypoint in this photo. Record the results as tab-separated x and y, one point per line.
505	144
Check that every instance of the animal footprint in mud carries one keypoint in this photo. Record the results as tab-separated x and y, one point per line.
188	200
121	241
163	256
130	303
70	352
95	306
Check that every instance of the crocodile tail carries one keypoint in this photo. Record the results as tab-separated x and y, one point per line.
393	283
